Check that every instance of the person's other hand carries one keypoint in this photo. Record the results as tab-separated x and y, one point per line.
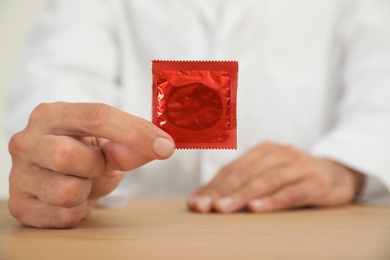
273	177
71	154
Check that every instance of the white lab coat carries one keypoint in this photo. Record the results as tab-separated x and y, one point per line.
312	73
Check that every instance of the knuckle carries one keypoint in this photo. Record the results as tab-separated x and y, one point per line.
17	144
63	156
304	166
225	171
238	177
97	116
70	217
290	151
222	190
217	192
271	180
267	145
73	191
39	112
15	210
301	162
244	174
213	191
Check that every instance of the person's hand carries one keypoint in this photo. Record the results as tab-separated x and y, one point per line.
273	177
70	155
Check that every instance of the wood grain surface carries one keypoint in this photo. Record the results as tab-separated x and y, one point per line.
162	228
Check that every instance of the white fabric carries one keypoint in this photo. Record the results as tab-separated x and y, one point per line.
313	73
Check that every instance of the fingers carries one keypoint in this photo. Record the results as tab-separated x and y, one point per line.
266	183
50	187
254	159
245	171
69	155
33	212
281	178
259	169
46	199
60	154
79	157
293	196
104	121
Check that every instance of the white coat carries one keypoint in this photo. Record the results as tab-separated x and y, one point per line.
312	73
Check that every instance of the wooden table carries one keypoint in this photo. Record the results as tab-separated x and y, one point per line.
162	228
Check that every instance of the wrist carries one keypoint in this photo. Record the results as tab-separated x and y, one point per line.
357	178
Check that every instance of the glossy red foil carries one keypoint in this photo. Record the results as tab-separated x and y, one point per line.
195	102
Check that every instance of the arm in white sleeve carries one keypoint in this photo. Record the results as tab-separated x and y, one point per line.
72	56
361	137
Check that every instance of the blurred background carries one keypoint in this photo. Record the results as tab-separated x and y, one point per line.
17	18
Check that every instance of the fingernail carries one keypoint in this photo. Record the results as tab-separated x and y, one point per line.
203	203
257	204
225	203
163	147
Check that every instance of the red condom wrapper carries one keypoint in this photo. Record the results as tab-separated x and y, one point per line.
195	102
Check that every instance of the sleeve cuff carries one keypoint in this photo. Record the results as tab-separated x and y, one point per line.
374	192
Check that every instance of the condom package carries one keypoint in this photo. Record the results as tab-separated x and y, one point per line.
195	102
